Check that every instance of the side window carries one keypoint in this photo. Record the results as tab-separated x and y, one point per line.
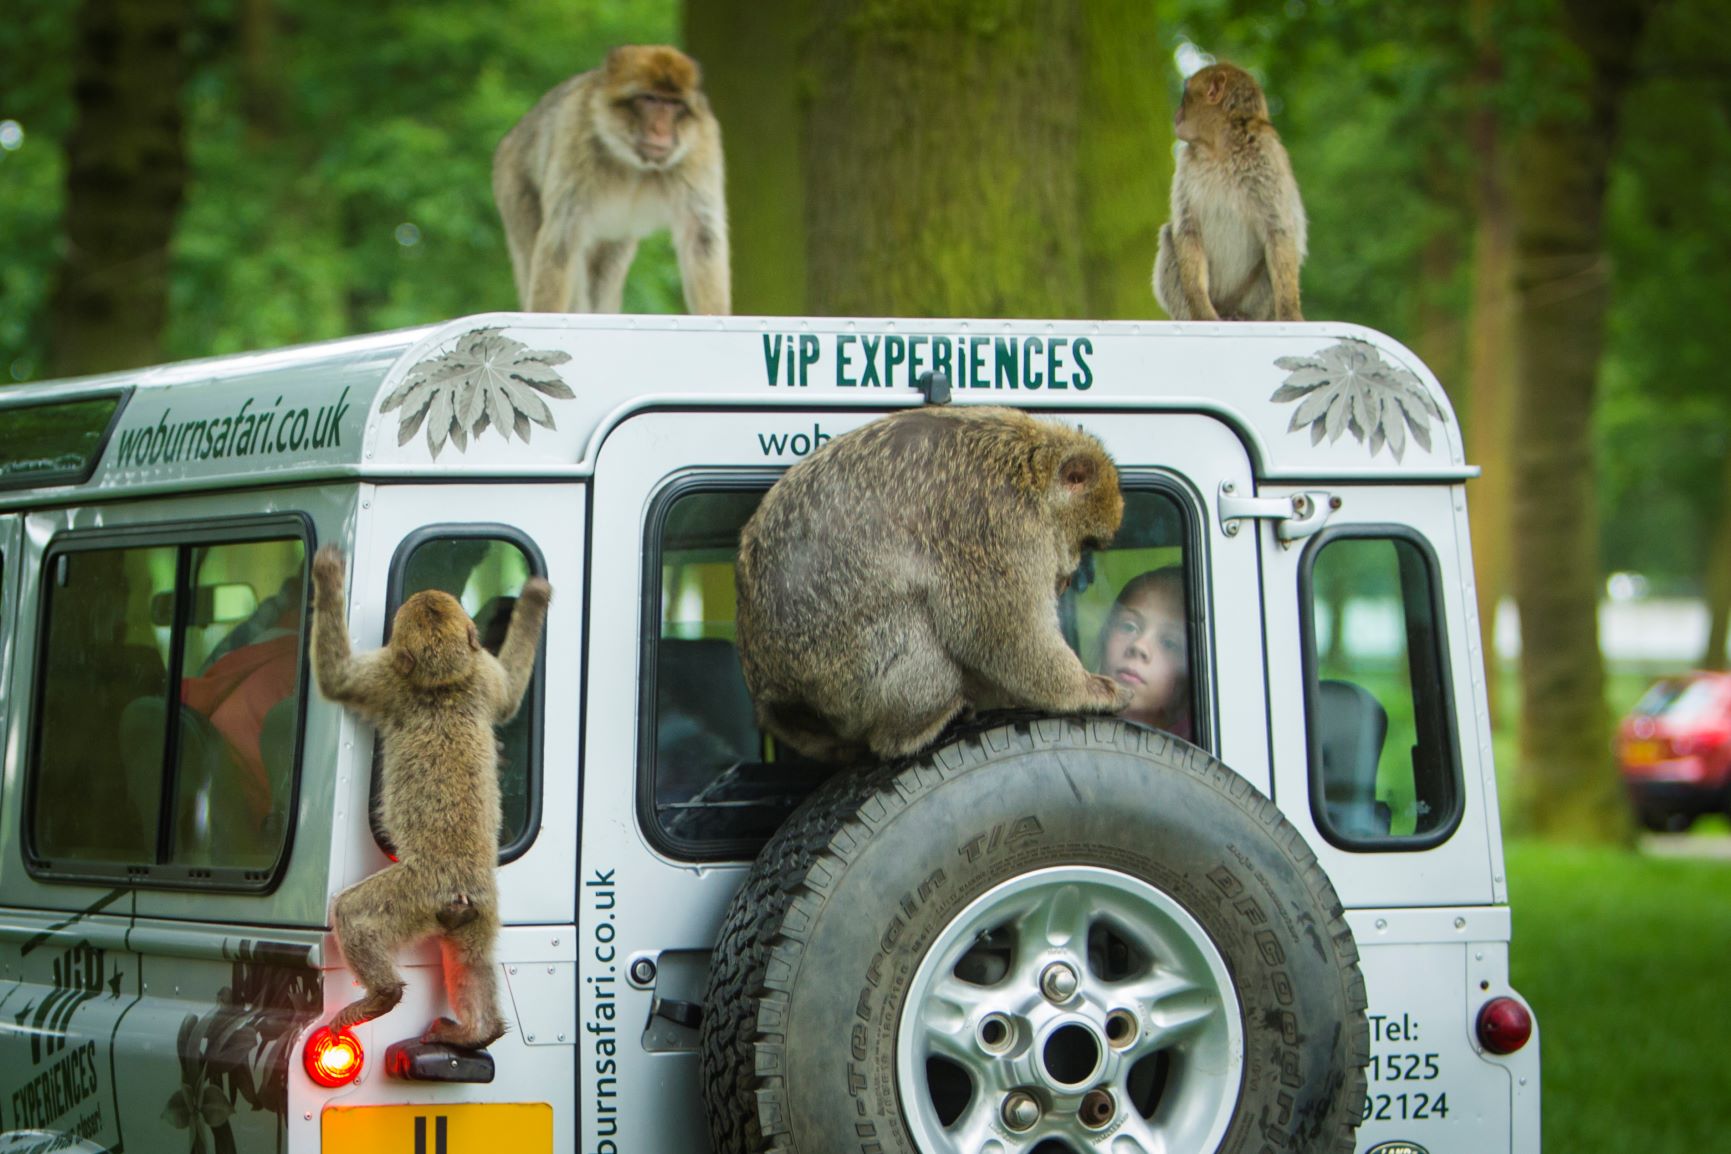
168	709
1383	767
1131	614
716	786
483	567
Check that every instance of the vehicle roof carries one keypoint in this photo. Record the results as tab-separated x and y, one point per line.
518	394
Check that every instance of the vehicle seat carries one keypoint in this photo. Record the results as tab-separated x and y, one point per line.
1352	726
703	716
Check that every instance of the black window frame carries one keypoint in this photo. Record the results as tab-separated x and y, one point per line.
182	535
534	702
1198	598
754	478
748	479
1448	723
79	476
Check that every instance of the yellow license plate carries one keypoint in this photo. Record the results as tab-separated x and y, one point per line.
1642	752
483	1128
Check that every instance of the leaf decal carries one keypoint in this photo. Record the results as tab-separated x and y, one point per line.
1349	388
486	380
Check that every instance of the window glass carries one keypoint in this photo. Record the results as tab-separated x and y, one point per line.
1129	614
716	778
486	574
718	785
171	676
1382	758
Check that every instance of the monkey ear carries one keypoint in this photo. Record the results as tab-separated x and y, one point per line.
1216	89
1077	473
403	662
474	637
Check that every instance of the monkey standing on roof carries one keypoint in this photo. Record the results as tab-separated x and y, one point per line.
603	160
909	572
434	695
1237	235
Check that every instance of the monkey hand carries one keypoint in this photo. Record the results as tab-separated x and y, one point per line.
328	577
536	591
1111	697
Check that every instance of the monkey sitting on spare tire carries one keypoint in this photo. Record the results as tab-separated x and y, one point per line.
908	573
1060	932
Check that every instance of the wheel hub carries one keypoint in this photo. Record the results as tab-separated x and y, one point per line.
1074	1003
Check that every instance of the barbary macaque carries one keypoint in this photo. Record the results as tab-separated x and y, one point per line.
602	161
434	695
909	571
1237	235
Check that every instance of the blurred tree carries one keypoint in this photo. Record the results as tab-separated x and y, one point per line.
1490	335
1664	420
750	51
1562	167
1124	152
941	138
125	178
36	104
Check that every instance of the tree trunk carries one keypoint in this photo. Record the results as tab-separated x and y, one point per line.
1718	577
1490	350
261	92
751	56
125	177
941	144
1562	287
1125	155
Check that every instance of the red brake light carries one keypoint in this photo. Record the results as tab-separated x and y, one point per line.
1504	1026
332	1059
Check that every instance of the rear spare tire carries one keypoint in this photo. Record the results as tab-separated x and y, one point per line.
1059	934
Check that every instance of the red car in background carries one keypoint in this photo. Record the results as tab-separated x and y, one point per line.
1674	750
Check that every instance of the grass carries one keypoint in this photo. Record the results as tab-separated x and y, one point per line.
1624	959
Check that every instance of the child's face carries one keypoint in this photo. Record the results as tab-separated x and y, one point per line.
1145	649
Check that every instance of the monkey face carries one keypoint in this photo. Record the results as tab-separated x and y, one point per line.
649	90
433	642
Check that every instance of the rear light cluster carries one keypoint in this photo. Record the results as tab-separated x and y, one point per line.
1504	1025
332	1058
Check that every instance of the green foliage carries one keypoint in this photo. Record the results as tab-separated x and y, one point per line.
342	185
1623	959
1664	419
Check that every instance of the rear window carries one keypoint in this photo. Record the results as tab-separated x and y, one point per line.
483	567
168	707
715	786
1383	766
1684	702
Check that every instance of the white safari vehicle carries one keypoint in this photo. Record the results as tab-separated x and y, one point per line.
1046	934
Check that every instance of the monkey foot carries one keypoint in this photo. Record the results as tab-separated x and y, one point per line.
376	1003
457	913
452	1033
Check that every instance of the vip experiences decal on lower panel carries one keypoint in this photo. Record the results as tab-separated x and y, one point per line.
58	1019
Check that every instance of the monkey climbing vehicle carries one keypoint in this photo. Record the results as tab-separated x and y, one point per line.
1281	923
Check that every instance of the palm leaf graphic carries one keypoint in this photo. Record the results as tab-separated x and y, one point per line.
485	380
1349	388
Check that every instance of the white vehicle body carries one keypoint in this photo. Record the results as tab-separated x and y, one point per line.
126	996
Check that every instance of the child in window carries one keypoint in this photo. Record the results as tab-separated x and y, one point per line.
1145	645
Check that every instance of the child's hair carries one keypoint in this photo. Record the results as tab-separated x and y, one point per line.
1169	579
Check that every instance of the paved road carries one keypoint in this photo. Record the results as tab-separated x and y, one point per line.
1717	847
